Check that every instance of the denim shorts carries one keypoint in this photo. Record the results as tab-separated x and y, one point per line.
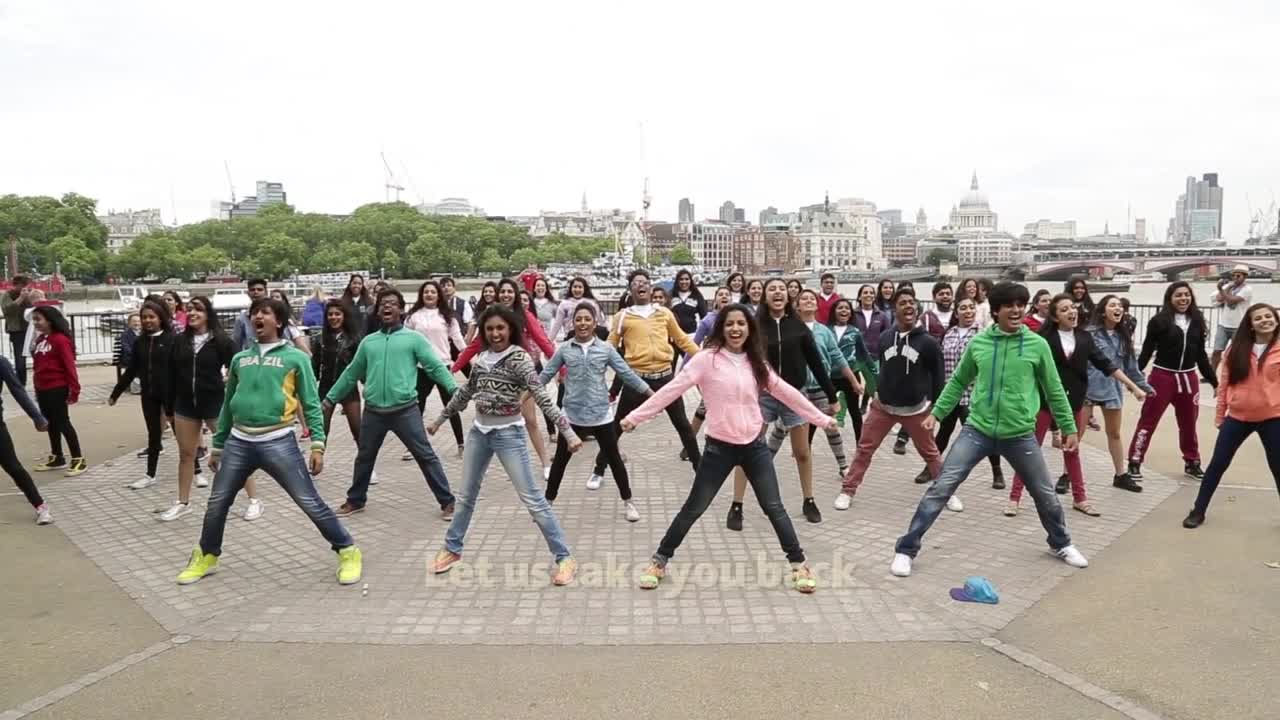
1222	337
772	409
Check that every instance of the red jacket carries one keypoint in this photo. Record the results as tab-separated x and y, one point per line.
529	278
55	365
825	305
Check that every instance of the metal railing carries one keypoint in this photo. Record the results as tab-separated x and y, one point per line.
97	335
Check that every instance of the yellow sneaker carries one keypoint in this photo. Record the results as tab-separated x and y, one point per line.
201	564
566	571
53	462
77	467
350	565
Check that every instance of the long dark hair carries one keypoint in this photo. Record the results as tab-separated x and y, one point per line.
883	303
442	307
694	292
746	290
875	299
551	294
1193	311
961	290
350	326
364	290
481	303
586	288
514	321
764	313
1098	319
161	310
831	316
1087	301
517	305
753	347
728	282
212	324
1051	320
288	309
1239	357
57	321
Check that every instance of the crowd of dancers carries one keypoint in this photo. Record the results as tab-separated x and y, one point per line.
984	369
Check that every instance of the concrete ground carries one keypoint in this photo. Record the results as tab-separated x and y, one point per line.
1165	623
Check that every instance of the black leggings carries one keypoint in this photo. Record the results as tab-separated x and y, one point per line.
53	405
9	461
851	400
948	425
154	415
630	400
425	384
607	438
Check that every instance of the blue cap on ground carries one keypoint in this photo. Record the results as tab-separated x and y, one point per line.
976	589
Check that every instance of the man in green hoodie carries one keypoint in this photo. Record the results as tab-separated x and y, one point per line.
1009	366
267	386
387	363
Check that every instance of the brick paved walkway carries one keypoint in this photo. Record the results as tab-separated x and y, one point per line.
276	582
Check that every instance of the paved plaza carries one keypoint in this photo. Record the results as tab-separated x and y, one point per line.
276	579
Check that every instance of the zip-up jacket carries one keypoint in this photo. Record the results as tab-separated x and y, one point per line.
934	325
1074	371
1256	399
586	394
54	365
151	363
265	392
793	353
871	331
199	374
1104	389
832	359
824	306
688	311
1174	349
646	341
329	358
1008	371
911	368
387	363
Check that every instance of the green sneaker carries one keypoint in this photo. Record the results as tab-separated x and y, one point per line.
201	564
350	565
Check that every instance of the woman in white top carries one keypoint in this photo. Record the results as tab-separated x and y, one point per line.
544	305
435	321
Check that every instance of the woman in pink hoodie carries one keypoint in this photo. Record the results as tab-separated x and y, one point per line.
731	373
1248	402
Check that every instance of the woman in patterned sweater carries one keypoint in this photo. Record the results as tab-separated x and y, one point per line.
500	376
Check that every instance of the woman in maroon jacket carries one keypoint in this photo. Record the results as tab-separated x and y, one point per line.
871	322
57	387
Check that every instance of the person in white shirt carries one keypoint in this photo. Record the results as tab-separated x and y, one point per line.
1233	297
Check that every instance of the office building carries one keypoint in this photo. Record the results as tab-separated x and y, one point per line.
727	211
451	206
983	250
740	215
1050	230
269	193
124	226
686	211
710	242
1199	197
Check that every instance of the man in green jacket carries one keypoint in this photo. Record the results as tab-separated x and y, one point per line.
267	386
1009	366
387	363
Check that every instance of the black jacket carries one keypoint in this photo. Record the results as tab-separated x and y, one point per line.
688	311
911	368
150	363
793	354
1074	371
1175	349
199	374
330	356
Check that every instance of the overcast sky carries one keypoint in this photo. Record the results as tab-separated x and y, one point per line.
1066	110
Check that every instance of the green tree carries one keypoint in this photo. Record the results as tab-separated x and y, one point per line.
35	222
74	258
207	259
681	255
357	255
277	256
490	262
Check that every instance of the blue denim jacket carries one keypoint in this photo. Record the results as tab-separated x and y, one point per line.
1103	389
586	394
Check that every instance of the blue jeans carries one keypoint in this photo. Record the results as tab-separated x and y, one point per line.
718	460
511	445
969	449
282	460
406	424
1231	436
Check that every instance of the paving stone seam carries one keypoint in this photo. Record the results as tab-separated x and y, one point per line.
1116	702
88	679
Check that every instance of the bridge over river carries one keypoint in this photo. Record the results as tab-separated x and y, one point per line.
1061	264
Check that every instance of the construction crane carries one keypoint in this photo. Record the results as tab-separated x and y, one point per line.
230	184
390	183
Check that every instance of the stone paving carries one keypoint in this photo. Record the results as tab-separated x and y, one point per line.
276	581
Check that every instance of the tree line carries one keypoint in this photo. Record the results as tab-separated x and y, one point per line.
277	242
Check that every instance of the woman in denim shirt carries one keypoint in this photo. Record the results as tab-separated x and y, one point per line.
1112	337
586	402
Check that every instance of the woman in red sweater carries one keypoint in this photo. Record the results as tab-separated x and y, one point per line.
1248	402
57	387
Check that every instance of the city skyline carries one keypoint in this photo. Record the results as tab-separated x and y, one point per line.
311	96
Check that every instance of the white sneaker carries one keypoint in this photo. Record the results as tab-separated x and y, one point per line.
633	515
254	511
407	456
843	500
593	482
373	477
178	510
1071	556
146	482
901	566
44	517
546	473
201	481
954	504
